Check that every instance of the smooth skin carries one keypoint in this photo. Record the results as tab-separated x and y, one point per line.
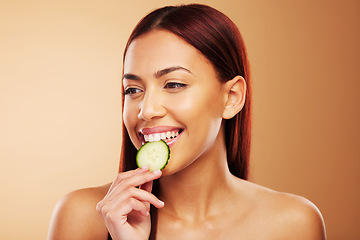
169	83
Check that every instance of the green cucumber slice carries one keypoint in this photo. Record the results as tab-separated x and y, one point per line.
153	154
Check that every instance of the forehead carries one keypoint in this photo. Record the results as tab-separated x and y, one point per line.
160	49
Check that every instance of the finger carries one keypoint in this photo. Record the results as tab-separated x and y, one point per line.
147	196
121	211
147	186
140	195
133	181
140	179
139	206
123	175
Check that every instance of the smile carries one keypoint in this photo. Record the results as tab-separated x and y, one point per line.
152	135
161	136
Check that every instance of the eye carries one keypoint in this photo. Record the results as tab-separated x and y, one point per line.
175	85
132	91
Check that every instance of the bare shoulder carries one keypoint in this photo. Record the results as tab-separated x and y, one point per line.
75	216
288	216
301	217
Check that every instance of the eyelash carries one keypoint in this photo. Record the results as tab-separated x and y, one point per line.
131	91
174	85
169	85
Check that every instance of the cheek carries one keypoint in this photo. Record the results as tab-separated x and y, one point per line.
199	111
130	121
200	103
200	117
127	116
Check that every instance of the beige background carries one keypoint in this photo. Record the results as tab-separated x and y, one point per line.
60	109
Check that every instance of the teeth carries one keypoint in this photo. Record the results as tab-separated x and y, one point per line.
157	137
164	136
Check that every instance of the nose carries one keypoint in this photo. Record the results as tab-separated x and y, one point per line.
151	106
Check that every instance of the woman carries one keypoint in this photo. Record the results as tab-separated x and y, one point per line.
186	79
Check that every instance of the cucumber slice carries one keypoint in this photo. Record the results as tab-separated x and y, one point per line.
153	154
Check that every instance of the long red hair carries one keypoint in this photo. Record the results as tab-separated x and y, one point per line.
219	40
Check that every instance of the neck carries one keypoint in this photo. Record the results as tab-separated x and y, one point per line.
192	194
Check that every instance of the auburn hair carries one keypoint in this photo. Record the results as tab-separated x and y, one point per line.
219	40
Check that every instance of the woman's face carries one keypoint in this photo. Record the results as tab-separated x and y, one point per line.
172	92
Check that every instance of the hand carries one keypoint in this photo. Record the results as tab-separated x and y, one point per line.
125	208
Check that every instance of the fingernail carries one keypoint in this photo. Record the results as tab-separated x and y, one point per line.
157	171
161	202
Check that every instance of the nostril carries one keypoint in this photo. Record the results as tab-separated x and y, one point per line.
151	105
148	114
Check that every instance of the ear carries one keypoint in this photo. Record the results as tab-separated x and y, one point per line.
235	93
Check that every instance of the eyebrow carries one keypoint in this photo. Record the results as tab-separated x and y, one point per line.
168	70
131	77
158	74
